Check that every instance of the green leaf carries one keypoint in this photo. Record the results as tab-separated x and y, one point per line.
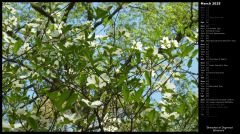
148	101
38	41
183	46
105	22
188	50
166	90
195	52
86	35
189	64
101	13
138	56
90	119
58	99
148	78
125	92
139	93
32	123
151	115
122	78
149	52
67	28
195	82
17	46
64	96
71	100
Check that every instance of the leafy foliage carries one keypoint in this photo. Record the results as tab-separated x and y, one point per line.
97	66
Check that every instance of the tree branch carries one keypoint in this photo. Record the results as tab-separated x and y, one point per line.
186	71
109	17
65	16
42	12
99	120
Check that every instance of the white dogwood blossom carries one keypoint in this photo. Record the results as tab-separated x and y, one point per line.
166	43
110	129
91	80
86	101
105	77
102	80
137	45
167	95
93	104
102	83
33	25
167	115
170	85
56	33
175	43
17	84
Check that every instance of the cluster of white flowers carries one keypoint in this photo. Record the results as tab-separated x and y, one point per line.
166	43
56	33
13	20
93	104
11	9
137	45
117	52
41	59
170	85
163	102
25	75
17	84
110	129
91	80
89	24
16	127
8	39
93	43
127	34
102	80
167	115
107	118
67	44
70	116
32	25
57	30
167	95
118	70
